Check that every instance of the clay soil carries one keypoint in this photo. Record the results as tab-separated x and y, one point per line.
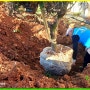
20	51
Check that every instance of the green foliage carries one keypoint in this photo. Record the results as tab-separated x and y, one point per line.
59	8
41	5
49	75
87	78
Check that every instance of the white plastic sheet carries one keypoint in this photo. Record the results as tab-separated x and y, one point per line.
56	63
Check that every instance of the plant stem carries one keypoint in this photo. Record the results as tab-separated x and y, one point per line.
44	19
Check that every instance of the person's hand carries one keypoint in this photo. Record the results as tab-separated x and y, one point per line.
73	63
88	50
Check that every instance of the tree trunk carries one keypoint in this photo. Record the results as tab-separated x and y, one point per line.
44	19
53	34
51	26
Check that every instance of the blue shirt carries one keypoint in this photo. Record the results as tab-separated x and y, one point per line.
84	35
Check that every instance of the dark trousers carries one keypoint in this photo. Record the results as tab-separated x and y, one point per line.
75	39
86	59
